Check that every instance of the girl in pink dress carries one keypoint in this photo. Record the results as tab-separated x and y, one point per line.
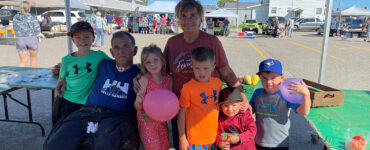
153	134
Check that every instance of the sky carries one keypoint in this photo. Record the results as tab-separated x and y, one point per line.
344	3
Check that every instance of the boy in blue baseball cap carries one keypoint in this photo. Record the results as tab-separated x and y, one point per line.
272	110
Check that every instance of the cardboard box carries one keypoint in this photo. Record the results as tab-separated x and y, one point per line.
322	96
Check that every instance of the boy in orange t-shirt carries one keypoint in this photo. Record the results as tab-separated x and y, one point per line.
198	102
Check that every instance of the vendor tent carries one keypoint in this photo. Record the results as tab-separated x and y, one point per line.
353	11
47	3
222	13
159	7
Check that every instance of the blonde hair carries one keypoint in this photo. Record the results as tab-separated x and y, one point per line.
25	7
152	49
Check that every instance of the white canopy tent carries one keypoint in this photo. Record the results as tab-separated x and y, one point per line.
159	7
222	13
352	11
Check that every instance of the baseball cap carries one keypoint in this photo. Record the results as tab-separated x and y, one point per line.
80	26
229	94
272	65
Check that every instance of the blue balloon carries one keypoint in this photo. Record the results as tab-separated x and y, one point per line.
292	98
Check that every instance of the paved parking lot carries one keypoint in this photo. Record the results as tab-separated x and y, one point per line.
347	68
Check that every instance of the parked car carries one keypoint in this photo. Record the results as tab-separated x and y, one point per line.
269	29
354	26
308	24
7	15
250	25
60	17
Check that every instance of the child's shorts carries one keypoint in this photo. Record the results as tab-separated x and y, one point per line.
203	147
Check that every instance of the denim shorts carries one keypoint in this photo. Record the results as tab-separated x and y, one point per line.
26	43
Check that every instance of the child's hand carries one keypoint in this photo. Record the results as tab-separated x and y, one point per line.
139	101
61	85
224	145
245	104
184	144
55	70
299	88
136	83
234	139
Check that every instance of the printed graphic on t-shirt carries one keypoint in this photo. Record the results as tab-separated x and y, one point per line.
267	107
78	68
205	97
183	63
115	89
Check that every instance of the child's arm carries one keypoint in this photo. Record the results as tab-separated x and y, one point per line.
184	144
61	85
304	108
143	81
249	130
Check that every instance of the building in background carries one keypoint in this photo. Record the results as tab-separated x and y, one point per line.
243	12
209	8
282	8
288	9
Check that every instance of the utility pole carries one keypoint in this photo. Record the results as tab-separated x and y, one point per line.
325	41
340	18
237	18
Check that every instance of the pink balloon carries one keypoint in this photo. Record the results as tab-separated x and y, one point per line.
293	98
161	104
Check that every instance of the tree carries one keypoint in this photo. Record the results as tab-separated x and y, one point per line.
145	2
221	3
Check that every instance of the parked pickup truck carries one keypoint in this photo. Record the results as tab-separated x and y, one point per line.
354	26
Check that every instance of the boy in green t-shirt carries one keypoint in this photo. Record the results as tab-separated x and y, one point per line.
77	72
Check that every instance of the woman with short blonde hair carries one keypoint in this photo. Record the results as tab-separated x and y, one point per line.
25	7
26	29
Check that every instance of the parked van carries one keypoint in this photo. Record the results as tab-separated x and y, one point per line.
60	17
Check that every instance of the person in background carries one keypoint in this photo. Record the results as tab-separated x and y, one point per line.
291	27
163	24
26	29
99	23
368	30
109	19
226	23
145	28
210	26
168	24
155	25
159	18
204	25
118	21
286	28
